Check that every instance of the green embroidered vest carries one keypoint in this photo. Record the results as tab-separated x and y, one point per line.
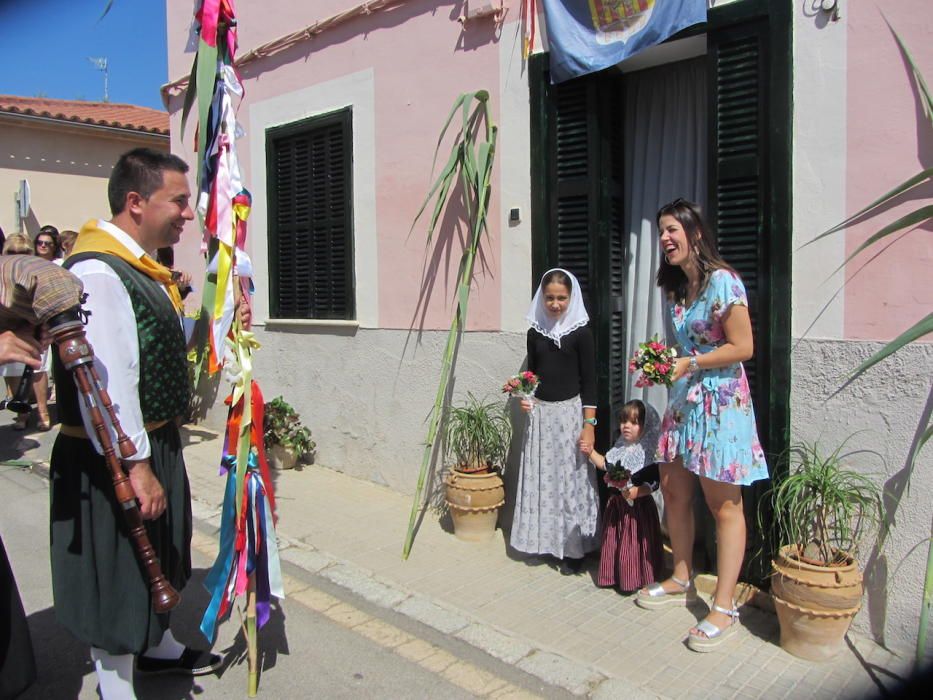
164	386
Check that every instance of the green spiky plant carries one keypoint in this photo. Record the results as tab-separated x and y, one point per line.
469	164
477	435
823	507
923	327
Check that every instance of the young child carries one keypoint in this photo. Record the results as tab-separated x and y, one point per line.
557	504
631	554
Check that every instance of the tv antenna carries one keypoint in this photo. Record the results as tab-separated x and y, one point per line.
100	63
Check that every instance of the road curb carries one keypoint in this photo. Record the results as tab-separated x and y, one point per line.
547	665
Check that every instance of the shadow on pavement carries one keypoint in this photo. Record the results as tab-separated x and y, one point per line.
63	661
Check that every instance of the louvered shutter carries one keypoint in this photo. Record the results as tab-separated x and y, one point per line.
739	183
749	188
748	49
577	211
310	217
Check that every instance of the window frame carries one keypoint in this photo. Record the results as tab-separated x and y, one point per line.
344	118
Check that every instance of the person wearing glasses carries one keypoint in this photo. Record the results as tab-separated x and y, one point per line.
46	247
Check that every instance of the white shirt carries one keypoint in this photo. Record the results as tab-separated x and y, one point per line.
111	330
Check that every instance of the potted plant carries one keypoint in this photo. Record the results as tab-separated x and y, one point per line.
477	441
285	438
822	511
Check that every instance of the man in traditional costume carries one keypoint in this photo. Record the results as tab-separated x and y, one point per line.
135	328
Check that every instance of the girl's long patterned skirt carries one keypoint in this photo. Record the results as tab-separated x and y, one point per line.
556	504
631	556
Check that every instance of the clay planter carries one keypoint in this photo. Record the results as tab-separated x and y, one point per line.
474	500
815	604
281	457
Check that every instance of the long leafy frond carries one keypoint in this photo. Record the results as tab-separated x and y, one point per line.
918	330
471	165
920	178
910	219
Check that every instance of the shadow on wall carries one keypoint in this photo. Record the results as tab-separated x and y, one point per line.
877	574
513	464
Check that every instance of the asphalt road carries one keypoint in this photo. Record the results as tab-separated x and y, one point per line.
305	654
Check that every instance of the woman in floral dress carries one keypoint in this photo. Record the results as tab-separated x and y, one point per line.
708	430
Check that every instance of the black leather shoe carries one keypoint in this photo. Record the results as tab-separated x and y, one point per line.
192	662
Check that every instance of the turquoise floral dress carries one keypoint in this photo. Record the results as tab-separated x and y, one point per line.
710	421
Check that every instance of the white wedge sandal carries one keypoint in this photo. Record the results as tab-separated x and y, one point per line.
654	596
714	635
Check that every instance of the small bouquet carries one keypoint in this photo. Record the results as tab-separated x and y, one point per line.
618	477
522	386
656	362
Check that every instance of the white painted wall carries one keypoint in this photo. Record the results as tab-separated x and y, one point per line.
881	413
514	158
819	174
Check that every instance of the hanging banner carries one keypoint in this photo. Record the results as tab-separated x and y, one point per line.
588	35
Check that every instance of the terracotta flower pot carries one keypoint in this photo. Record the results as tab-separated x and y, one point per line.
474	500
815	604
280	457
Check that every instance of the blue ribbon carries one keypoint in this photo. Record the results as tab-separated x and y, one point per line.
217	577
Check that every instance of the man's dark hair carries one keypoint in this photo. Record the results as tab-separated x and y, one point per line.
140	170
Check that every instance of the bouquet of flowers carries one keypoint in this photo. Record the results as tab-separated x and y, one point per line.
656	362
521	386
618	477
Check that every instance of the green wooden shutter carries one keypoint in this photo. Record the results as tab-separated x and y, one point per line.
749	188
748	49
310	218
577	209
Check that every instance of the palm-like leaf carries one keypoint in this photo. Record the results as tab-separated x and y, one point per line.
471	165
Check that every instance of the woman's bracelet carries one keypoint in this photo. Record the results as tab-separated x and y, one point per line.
693	366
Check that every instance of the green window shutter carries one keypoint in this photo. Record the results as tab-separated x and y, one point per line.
748	49
747	45
577	209
310	218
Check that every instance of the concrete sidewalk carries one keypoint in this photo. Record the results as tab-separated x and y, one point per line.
562	629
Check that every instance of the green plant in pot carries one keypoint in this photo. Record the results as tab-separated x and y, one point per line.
477	438
822	510
285	438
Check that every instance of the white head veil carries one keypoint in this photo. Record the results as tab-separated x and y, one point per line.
556	328
638	455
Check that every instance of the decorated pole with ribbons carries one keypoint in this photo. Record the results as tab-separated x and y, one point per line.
247	564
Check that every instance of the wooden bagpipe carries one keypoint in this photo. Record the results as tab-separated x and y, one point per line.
46	295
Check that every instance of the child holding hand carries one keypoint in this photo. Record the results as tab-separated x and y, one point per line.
631	555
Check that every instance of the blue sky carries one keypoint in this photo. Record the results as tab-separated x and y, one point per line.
45	44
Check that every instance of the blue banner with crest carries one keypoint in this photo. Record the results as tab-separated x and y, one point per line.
585	36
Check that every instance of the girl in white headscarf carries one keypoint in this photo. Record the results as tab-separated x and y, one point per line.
556	507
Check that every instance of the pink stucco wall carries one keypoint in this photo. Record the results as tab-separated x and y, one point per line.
421	60
889	140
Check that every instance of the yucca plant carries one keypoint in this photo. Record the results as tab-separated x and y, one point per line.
824	507
469	163
477	435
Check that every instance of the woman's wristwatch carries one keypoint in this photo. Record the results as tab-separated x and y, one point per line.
693	366
591	421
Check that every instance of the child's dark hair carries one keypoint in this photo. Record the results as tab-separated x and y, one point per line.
633	410
558	276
